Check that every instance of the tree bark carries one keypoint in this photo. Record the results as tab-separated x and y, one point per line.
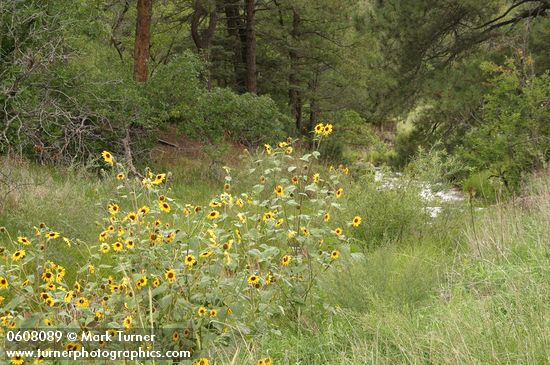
236	30
295	99
203	39
251	79
143	36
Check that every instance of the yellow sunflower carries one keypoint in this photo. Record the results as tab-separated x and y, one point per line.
206	254
285	261
319	128
170	275
4	282
254	280
142	281
120	176
17	360
104	248
202	311
127	322
23	240
356	221
82	302
190	261
52	235
108	157
114	208
164	206
68	296
339	192
156	282
327	130
213	214
18	255
279	191
338	231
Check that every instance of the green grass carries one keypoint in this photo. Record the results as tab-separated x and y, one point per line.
442	291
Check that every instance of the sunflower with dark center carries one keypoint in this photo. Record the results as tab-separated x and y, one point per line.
144	210
339	192
254	280
175	336
132	217
17	360
3	282
335	254
319	128
18	255
130	244
104	248
48	276
213	214
213	313
295	180
159	179
202	311
82	302
170	275
356	221
113	208
156	282
206	254
68	296
23	240
117	246
279	191
164	206
120	176
108	157
338	231
190	261
127	322
141	282
326	217
285	261
52	235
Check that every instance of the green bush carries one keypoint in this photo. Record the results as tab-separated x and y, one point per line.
484	185
390	213
247	118
514	137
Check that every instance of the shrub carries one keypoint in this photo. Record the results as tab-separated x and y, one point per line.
514	136
247	118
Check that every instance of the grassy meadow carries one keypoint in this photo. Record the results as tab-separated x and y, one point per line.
467	287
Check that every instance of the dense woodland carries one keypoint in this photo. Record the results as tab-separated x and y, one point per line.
78	76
